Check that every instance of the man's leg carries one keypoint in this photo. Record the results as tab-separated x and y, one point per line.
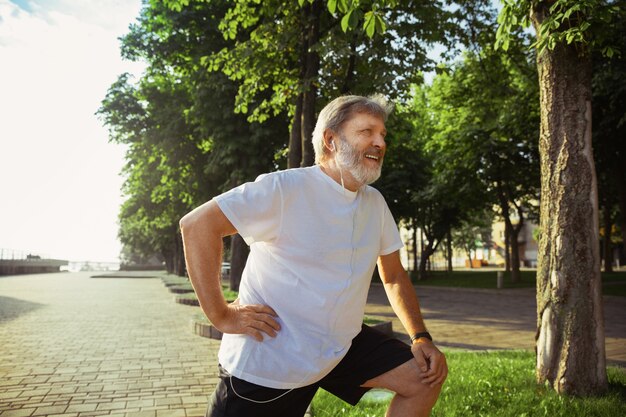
413	397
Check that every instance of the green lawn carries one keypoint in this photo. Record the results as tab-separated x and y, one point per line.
494	384
614	283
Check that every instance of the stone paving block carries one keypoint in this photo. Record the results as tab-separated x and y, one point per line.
34	392
59	378
140	385
64	415
9	395
141	414
171	413
196	412
34	379
168	401
111	406
21	412
141	403
44	411
81	408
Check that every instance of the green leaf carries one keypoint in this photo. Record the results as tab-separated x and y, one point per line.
381	27
332	6
369	25
342	5
345	21
608	52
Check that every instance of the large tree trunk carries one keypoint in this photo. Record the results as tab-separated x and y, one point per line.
570	327
310	83
238	256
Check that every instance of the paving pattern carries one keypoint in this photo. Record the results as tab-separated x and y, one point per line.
493	319
72	345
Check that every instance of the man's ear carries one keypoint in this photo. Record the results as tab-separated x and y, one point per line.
329	141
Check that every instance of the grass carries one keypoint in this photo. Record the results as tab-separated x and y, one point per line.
371	321
613	283
229	295
476	279
494	384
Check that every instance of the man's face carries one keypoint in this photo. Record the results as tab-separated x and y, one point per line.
362	146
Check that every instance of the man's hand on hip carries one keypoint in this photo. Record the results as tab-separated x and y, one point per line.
251	319
430	361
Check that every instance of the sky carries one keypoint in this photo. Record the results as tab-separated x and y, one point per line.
60	178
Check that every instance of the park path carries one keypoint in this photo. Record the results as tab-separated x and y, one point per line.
72	345
486	319
76	346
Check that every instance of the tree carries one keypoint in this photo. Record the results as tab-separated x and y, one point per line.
186	144
609	122
474	234
279	67
486	114
570	327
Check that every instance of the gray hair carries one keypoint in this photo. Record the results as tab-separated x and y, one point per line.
341	109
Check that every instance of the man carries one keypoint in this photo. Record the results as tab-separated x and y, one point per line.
316	234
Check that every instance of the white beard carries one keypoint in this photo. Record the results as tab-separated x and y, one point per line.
350	159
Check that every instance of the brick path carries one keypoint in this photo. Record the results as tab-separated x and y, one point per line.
78	346
493	319
71	345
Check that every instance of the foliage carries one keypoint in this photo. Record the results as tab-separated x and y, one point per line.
580	22
185	144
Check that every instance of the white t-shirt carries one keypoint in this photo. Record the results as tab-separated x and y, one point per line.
313	250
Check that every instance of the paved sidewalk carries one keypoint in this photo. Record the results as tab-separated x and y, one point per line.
71	345
78	346
492	319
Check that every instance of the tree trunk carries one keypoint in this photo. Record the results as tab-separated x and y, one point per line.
348	80
169	261
449	249
570	327
310	83
295	138
423	263
414	251
621	195
179	256
515	262
238	256
607	246
507	246
468	251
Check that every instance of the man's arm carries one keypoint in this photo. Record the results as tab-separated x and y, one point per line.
203	230
405	304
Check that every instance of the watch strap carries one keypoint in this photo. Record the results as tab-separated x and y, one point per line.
420	335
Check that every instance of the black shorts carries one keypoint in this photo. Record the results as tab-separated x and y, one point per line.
372	354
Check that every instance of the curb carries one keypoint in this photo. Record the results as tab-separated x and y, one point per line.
205	329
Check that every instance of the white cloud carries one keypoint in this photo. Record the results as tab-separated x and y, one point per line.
60	177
